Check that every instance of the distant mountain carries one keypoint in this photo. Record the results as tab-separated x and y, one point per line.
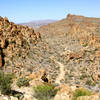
64	25
38	23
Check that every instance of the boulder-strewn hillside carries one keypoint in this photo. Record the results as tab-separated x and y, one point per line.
15	44
76	42
64	55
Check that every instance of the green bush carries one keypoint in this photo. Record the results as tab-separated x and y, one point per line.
22	82
85	45
83	76
45	92
5	82
80	92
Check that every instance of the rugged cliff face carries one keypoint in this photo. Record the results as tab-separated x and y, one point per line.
15	44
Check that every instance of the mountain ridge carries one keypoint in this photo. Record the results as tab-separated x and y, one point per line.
38	23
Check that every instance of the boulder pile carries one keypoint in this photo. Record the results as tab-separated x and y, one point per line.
15	43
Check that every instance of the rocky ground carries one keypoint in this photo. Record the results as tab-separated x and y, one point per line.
77	53
68	51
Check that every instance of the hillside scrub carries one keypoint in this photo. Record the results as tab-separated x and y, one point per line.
5	82
45	92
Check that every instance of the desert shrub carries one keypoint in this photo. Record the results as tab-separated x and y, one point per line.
80	92
83	76
88	82
91	83
45	92
5	82
22	82
85	45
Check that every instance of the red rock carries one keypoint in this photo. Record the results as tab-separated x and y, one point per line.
78	55
72	55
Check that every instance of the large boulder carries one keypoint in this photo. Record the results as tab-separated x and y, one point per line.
2	43
63	93
62	96
28	97
4	97
13	98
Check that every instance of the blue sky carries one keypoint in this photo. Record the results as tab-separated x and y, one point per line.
27	10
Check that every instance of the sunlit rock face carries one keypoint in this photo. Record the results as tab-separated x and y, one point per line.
15	43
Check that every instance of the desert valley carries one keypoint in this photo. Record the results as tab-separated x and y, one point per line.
59	60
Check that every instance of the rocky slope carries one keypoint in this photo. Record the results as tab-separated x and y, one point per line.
15	44
76	41
68	51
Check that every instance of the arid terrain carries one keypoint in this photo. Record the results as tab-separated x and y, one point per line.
66	53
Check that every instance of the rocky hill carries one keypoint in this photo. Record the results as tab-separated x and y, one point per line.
15	44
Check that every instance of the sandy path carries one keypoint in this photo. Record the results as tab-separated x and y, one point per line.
61	74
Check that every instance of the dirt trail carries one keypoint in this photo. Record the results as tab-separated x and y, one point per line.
61	74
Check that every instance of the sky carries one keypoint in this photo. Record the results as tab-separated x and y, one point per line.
20	11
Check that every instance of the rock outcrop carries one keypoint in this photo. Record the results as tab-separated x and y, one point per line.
15	43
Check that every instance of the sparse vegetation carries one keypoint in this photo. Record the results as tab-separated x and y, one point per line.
5	82
70	75
93	84
83	76
22	82
85	45
88	82
80	92
45	92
